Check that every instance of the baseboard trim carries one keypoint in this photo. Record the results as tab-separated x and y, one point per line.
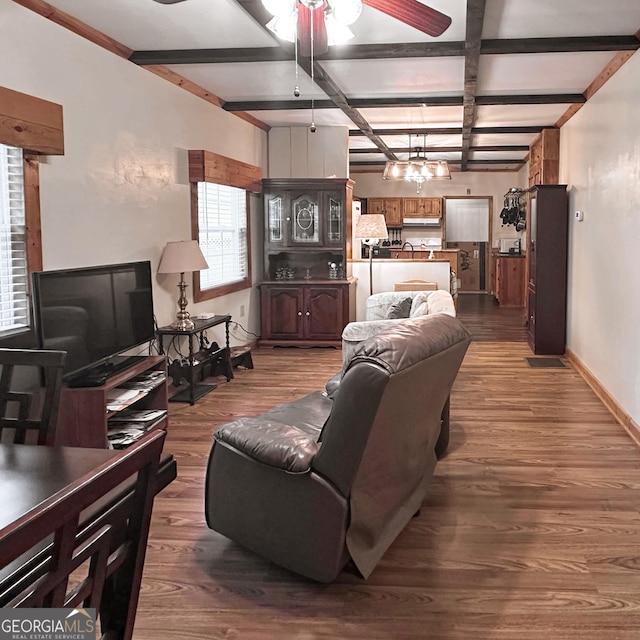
621	416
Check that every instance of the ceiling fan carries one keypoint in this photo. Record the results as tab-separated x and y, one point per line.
313	15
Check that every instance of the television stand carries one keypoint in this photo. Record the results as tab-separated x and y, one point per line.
83	416
98	375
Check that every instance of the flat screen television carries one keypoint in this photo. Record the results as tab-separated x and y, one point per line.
94	314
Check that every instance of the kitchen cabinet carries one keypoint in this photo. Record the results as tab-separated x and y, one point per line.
390	208
299	314
422	208
547	237
544	158
305	295
509	280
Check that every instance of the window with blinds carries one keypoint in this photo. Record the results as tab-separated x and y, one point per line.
222	234
14	306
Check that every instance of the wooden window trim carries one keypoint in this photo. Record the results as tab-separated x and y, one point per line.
36	126
205	166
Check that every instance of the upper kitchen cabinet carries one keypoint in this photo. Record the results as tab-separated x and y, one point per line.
390	208
544	158
422	208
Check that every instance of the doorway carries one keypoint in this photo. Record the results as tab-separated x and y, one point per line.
468	228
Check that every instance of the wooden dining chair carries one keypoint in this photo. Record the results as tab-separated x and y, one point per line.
30	389
85	545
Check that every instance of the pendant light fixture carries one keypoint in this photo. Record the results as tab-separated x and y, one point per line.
417	168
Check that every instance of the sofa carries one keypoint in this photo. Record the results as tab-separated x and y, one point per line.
317	482
381	314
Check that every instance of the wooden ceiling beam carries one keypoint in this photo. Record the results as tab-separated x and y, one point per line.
452	130
501	147
439	101
473	40
380	51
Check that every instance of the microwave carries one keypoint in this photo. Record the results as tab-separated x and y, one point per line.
509	245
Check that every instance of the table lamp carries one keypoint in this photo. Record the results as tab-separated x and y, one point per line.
180	257
371	228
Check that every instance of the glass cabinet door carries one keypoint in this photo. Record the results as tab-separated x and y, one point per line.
305	223
335	223
275	220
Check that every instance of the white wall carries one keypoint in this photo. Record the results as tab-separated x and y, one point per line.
121	190
474	183
600	161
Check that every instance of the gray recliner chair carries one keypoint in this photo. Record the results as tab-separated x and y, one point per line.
313	483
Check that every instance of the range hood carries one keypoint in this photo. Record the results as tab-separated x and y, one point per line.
420	222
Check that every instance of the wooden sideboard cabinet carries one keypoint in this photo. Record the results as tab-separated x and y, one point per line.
298	314
509	280
305	297
547	238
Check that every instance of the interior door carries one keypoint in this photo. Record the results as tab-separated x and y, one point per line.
468	228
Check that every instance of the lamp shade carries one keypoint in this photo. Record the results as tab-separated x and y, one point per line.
371	226
182	256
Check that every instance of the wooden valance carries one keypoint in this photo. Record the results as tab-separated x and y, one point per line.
31	123
205	166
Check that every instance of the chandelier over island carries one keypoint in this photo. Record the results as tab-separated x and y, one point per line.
417	168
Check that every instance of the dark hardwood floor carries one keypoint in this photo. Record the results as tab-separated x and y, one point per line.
531	528
487	320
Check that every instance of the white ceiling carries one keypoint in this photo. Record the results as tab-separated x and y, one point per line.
226	27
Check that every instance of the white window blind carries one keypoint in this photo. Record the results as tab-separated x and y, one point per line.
222	229
14	307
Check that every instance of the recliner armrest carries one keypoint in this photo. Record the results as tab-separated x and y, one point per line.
272	443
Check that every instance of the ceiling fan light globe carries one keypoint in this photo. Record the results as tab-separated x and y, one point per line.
283	28
337	33
346	11
279	8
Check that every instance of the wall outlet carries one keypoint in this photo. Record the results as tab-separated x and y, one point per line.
579	216
242	311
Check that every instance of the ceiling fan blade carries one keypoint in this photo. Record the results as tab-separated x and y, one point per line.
413	13
169	1
320	45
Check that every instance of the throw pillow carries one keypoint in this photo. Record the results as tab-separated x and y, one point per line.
419	305
400	309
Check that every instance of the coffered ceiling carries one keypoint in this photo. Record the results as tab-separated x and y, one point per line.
480	92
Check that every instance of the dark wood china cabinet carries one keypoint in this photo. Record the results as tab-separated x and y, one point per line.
306	297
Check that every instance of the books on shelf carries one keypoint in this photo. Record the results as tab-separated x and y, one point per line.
123	437
144	381
130	425
137	416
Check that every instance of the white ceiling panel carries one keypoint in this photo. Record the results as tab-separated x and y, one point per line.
367	157
493	139
399	141
376	27
397	117
302	117
360	142
251	80
540	73
519	115
195	24
549	18
408	77
497	155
